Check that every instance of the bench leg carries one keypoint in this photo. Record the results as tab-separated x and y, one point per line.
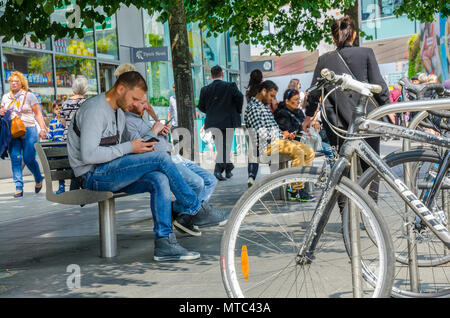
107	222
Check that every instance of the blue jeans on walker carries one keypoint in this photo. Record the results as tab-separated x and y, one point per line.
25	145
200	180
152	172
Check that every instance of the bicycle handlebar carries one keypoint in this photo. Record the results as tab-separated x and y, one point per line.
346	82
420	89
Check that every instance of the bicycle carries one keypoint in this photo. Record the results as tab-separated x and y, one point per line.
288	250
421	269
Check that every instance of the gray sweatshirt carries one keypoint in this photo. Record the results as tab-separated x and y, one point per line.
95	120
137	127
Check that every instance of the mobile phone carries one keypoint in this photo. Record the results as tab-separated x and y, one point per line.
168	122
152	139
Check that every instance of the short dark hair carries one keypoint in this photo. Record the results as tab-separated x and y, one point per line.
216	71
131	80
57	102
268	85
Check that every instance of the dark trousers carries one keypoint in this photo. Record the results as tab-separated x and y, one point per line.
223	151
253	169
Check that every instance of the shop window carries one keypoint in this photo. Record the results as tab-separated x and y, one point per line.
214	52
232	53
197	81
27	43
195	43
76	46
159	77
67	69
107	45
37	68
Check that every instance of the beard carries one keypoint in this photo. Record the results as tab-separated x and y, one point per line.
121	102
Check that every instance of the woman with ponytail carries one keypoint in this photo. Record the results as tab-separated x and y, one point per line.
361	64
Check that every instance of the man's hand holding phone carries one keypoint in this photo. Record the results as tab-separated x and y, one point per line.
140	145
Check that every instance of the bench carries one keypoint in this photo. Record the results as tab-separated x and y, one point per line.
55	164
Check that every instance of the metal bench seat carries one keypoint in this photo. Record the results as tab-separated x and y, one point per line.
55	165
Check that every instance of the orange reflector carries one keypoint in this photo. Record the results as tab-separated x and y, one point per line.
244	262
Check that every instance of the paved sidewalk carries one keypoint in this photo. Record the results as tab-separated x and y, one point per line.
40	240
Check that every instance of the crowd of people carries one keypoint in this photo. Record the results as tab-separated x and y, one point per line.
112	148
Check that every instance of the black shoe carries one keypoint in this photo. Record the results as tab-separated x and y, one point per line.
219	176
302	196
168	249
228	174
209	216
183	223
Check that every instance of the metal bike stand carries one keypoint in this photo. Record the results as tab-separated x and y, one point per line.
355	237
446	206
412	247
413	264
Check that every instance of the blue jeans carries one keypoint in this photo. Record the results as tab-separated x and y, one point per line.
328	152
200	180
152	172
25	146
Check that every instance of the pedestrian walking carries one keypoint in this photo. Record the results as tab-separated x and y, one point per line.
361	64
222	103
25	106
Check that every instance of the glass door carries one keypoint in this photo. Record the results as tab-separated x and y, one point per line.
106	76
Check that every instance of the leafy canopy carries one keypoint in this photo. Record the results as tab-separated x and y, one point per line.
296	22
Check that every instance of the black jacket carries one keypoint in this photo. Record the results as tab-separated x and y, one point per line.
364	67
222	103
290	120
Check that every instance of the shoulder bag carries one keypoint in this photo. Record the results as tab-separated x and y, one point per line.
18	128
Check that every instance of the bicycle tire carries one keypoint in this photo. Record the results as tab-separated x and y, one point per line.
272	239
433	255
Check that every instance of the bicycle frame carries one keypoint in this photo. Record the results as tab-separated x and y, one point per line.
363	150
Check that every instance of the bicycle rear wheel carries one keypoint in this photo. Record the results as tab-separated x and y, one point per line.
433	258
263	236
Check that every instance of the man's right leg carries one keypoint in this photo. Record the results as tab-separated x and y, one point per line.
157	184
121	172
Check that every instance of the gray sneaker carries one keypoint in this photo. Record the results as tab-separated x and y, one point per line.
209	216
168	249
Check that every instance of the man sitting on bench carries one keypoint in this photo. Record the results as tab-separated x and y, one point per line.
272	140
104	161
200	180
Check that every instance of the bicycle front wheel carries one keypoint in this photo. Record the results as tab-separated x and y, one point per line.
264	233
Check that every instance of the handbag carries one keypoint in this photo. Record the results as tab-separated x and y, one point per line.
18	128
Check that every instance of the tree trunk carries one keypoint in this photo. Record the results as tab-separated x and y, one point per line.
353	13
182	74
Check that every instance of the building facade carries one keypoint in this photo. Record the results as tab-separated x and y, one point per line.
52	65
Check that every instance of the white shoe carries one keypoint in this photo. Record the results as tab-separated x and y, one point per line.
250	182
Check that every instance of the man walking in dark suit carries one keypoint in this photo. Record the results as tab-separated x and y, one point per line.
222	103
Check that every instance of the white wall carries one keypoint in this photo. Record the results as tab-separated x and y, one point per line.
283	82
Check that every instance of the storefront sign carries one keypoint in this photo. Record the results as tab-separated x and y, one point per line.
264	66
149	54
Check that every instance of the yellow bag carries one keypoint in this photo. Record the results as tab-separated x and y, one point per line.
18	128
